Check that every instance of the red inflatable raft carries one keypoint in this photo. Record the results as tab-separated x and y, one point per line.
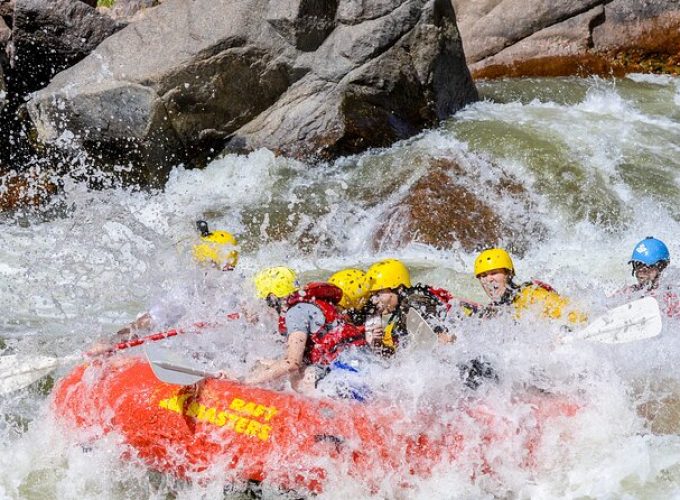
246	433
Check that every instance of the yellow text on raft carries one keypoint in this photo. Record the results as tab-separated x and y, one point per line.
222	418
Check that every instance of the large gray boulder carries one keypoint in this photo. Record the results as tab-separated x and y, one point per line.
544	37
387	70
302	77
49	36
489	26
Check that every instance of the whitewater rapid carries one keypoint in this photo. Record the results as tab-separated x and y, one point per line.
600	160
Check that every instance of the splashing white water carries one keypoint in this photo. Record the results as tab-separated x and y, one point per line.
600	162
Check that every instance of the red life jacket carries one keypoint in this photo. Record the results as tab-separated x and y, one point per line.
447	298
669	302
540	284
444	296
324	345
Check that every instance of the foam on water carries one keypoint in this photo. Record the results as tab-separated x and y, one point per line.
599	161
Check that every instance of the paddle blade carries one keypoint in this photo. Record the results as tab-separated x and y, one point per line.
421	334
170	368
637	320
17	372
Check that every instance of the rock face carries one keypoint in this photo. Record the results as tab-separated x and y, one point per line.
451	206
3	91
306	78
48	37
546	38
5	33
129	10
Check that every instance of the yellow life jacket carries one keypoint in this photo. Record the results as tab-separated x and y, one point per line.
388	340
552	305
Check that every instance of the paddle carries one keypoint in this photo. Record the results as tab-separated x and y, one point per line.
421	334
17	372
170	368
637	320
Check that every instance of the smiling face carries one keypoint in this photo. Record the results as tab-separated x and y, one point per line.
646	275
495	283
385	301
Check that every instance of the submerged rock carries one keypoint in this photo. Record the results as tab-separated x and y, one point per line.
301	77
450	207
658	402
540	38
27	189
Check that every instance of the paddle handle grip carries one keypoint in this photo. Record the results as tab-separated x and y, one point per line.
149	338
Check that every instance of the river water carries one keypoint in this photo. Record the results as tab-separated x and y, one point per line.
600	160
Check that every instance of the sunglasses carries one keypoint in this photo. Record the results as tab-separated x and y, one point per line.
274	302
639	265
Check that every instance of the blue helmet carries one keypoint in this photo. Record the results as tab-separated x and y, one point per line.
650	252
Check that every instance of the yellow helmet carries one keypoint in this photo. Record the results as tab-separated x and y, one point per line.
218	248
352	282
388	273
494	258
280	281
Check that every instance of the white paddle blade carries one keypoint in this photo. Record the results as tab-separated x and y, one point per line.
17	372
168	367
421	334
637	320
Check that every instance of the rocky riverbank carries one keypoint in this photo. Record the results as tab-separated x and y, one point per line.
577	37
143	85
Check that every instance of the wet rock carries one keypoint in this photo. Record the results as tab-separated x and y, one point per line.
305	79
48	37
661	405
7	11
640	36
5	33
449	208
3	91
28	189
565	38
